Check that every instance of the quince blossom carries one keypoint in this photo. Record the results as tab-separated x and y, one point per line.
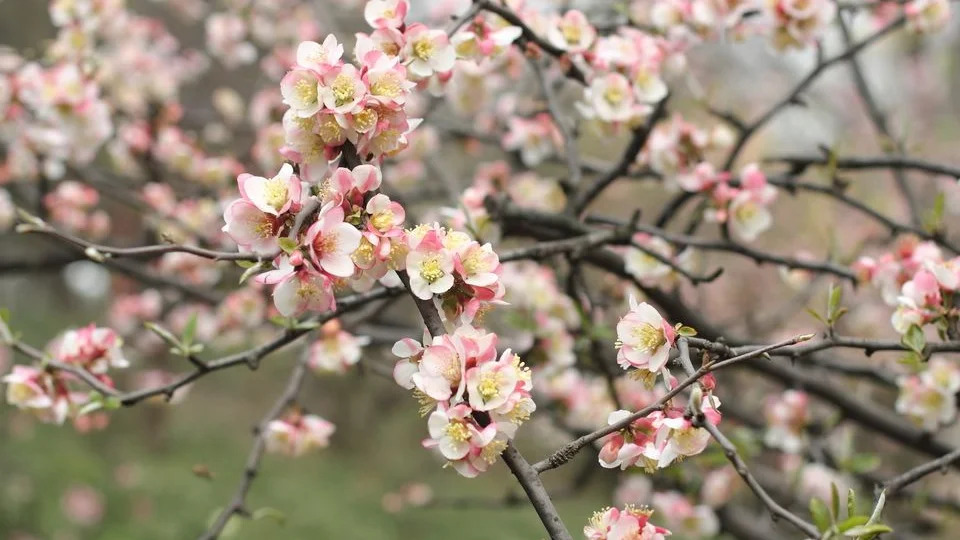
296	434
644	338
617	524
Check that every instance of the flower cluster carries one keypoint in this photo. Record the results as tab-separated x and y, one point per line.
48	392
688	20
296	433
478	398
658	439
929	397
744	206
925	16
617	524
799	23
684	518
918	280
72	205
626	79
787	418
676	147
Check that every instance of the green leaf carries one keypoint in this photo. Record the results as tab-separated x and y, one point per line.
815	315
6	336
867	531
251	270
833	302
820	514
270	513
230	529
164	334
914	339
246	264
912	361
851	522
112	402
687	331
934	219
851	503
90	406
287	244
863	463
190	330
834	502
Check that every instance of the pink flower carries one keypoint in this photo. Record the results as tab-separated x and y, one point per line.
298	434
92	348
430	268
251	228
302	291
336	350
27	388
491	384
273	196
631	523
385	13
645	338
454	432
610	99
342	89
925	16
301	91
330	242
386	216
387	80
319	58
427	51
572	32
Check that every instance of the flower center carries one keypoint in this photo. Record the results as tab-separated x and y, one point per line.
383	220
457	430
275	193
343	89
492	451
387	85
489	386
365	120
329	130
306	91
649	338
746	212
363	256
423	49
571	33
430	269
613	95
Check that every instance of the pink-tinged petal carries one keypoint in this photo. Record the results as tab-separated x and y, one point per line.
403	374
337	264
286	299
348	238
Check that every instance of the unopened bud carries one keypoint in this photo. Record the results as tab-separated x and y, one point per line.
94	255
696	401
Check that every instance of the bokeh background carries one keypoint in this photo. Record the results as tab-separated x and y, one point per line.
161	472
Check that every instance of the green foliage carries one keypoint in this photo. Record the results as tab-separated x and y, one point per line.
855	525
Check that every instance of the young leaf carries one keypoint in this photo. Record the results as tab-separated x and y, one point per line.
833	302
914	339
834	502
851	522
687	331
867	531
270	513
820	514
287	244
851	503
190	330
163	333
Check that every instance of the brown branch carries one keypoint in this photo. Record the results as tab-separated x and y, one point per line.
238	503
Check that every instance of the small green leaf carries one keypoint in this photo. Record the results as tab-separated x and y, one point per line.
90	406
912	361
815	315
246	264
270	513
232	526
251	270
820	514
687	331
112	402
863	463
851	503
287	244
190	330
914	339
851	522
834	502
164	334
834	297
867	531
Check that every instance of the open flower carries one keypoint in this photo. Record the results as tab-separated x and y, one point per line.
251	228
454	432
427	51
301	91
275	195
330	242
645	338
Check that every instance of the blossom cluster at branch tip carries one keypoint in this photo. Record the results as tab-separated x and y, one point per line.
623	524
296	433
478	398
54	395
